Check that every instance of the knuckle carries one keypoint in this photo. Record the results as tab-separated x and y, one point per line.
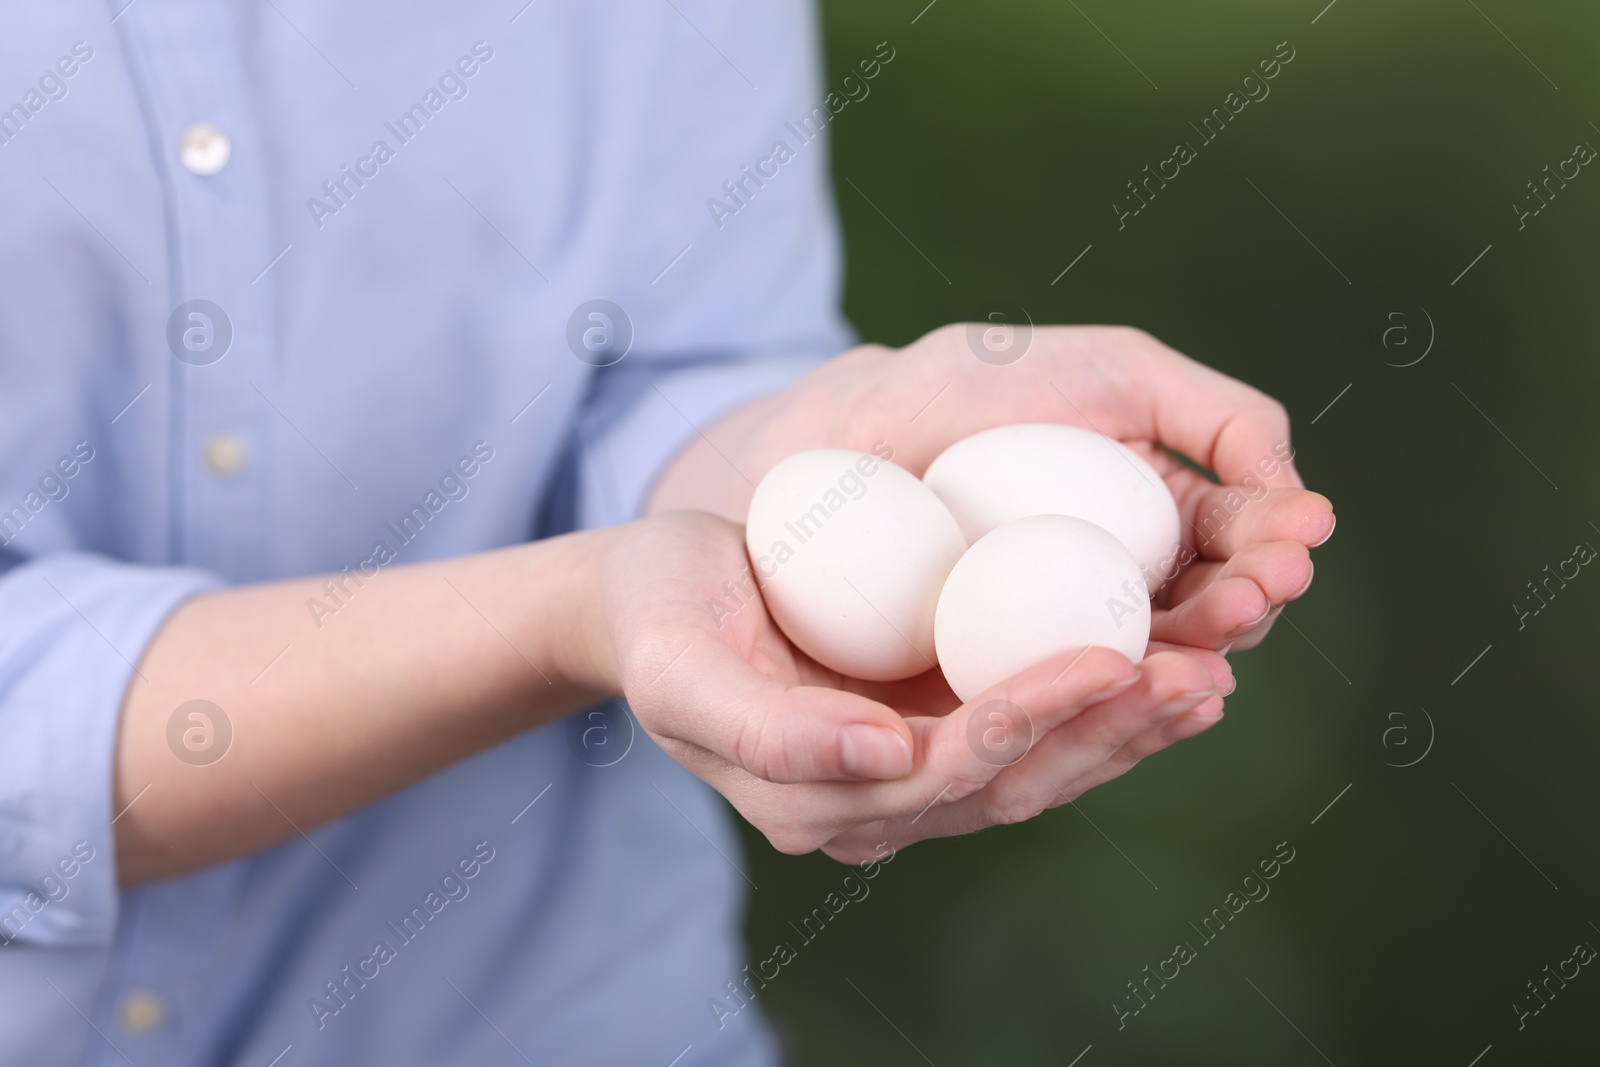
1134	337
877	400
1126	760
964	783
793	840
859	843
854	853
1066	796
1135	349
1010	809
1274	412
758	748
1105	735
847	854
1108	738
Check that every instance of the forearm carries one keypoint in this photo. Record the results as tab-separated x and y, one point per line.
421	666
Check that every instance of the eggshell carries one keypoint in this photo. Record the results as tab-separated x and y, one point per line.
1009	472
1032	589
851	552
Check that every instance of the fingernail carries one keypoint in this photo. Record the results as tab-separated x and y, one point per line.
1303	588
1114	688
1223	651
1328	534
1184	728
1233	683
1183	702
1240	631
873	752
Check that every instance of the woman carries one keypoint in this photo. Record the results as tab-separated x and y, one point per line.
313	321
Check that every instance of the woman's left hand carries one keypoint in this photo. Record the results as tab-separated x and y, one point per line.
1247	541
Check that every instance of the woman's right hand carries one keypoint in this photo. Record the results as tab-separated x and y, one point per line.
814	759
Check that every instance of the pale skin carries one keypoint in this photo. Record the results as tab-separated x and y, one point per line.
428	664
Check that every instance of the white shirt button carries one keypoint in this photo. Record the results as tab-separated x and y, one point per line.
141	1012
223	455
203	149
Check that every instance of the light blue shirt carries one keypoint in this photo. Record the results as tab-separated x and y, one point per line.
397	219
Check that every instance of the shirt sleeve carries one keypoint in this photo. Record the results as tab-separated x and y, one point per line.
739	208
72	629
631	432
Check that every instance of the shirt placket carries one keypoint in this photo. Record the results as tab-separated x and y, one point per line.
220	338
227	408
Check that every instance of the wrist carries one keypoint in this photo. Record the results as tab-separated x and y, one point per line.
570	616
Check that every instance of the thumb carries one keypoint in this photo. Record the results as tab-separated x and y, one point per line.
710	697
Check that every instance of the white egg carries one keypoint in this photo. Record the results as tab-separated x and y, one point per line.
851	552
1032	589
1009	472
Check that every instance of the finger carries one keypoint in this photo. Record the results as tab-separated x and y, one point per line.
1213	661
1282	569
949	763
1222	603
1256	634
1170	684
962	752
1153	740
1228	607
708	696
1223	521
1218	421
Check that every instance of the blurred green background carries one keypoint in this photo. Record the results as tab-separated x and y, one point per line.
1408	924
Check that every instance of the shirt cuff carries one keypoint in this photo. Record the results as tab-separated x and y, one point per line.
654	419
72	626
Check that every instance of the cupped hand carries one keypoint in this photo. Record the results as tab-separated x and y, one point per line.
1245	552
817	760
